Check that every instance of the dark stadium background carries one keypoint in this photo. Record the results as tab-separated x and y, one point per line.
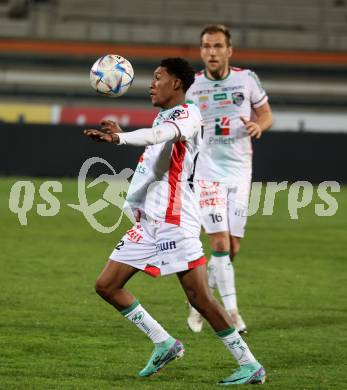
55	332
47	48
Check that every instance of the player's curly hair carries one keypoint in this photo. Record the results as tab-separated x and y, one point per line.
181	69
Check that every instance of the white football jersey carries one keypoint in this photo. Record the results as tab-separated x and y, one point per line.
160	187
226	151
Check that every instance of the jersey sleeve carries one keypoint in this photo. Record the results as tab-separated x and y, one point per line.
189	94
149	136
187	119
258	95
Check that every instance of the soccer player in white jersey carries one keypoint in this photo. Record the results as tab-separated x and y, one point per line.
165	239
234	107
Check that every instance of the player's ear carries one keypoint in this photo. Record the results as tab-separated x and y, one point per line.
177	84
230	51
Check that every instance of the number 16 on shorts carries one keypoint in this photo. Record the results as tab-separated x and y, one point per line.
217	217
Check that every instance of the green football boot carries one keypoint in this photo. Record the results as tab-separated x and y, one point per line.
163	353
247	374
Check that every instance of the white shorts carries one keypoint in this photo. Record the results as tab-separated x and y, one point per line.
223	207
159	248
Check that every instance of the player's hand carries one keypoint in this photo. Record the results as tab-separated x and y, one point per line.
100	136
252	128
110	127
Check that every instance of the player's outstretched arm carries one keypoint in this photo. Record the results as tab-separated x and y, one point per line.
100	136
142	137
107	133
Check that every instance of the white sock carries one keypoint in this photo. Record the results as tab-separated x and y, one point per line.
211	270
145	322
236	345
225	279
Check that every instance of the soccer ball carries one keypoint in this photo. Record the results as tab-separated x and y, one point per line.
111	75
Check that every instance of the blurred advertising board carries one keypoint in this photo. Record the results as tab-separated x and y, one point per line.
25	113
93	116
56	114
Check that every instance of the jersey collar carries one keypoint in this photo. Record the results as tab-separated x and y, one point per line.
180	104
225	77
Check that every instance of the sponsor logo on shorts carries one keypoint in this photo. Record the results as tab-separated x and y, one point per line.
134	235
207	183
167	245
206	193
212	202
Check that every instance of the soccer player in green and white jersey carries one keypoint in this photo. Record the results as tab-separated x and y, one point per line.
234	107
165	239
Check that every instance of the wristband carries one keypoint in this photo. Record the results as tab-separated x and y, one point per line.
115	140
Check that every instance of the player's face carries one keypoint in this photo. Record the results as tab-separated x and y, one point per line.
162	88
215	54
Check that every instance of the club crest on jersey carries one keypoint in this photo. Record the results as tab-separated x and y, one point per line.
222	126
238	98
179	114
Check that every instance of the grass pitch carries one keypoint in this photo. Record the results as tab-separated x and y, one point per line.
55	333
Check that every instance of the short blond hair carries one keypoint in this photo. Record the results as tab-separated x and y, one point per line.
215	28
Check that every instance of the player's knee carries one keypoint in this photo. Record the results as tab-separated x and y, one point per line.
221	244
102	288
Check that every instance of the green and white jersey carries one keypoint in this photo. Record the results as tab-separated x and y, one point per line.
226	151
